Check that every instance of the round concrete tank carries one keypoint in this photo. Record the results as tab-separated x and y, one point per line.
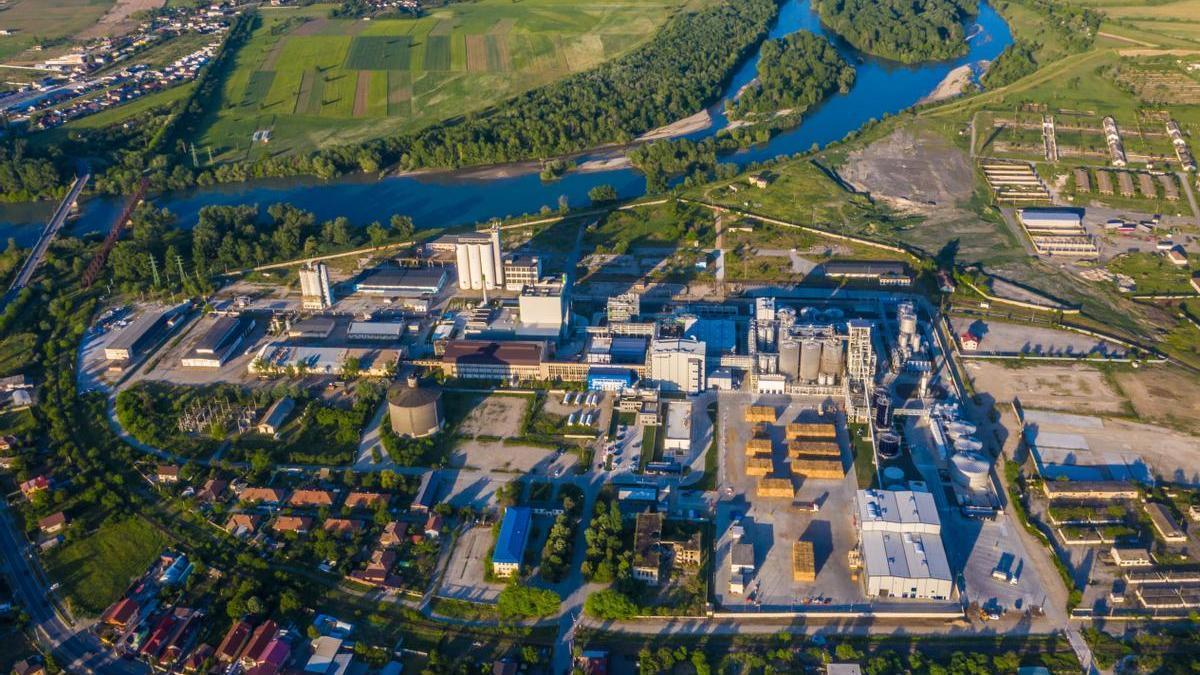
970	470
461	253
789	358
831	358
810	360
967	444
488	262
908	323
415	409
894	474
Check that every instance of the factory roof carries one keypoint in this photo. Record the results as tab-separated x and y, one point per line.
403	279
278	412
320	326
514	533
741	554
135	331
220	334
907	555
900	509
864	267
647	534
1046	215
679	420
482	352
392	329
677	345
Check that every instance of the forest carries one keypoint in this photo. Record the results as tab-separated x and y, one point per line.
795	73
909	31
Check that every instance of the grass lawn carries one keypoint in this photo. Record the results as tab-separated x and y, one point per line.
316	81
1153	273
649	444
864	465
45	19
95	569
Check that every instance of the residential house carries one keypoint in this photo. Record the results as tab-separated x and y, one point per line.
393	534
53	523
297	524
256	647
969	341
378	569
366	500
168	473
433	526
35	485
28	667
315	498
263	495
213	490
232	644
121	614
243	524
195	661
274	658
9	443
342	527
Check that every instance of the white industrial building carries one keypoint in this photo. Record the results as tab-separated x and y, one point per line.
520	271
479	261
901	545
544	305
679	426
376	330
315	291
678	365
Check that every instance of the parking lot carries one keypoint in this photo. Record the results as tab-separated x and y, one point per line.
772	525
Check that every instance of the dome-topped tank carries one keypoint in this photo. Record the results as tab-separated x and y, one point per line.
415	409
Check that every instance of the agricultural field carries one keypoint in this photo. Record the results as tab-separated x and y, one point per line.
313	81
49	20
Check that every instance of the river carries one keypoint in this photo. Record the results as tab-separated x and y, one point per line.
881	87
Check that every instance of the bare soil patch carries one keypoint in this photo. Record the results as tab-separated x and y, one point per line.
1073	388
912	168
495	416
477	61
311	27
116	21
362	93
1164	395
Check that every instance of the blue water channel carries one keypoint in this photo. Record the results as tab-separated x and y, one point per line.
434	200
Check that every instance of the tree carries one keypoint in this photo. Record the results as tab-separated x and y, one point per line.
602	194
518	601
610	605
402	226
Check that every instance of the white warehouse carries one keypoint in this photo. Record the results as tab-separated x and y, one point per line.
901	545
678	365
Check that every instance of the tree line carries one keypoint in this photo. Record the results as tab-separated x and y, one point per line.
795	73
909	31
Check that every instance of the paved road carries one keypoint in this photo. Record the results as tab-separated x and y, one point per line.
57	220
76	652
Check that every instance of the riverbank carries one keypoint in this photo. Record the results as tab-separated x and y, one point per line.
952	85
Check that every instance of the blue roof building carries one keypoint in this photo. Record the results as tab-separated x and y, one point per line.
510	544
609	379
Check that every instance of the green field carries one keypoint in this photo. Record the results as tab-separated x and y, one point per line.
96	568
315	81
49	20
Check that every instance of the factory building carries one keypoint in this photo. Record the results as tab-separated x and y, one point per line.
678	365
616	349
520	271
509	553
484	360
901	545
403	281
647	558
609	379
316	293
384	331
679	427
215	347
623	308
415	409
883	272
140	334
479	261
545	307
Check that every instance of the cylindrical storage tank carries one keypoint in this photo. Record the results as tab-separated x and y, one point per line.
461	252
957	428
883	410
497	256
415	409
889	444
810	360
476	266
894	476
967	444
767	363
908	323
488	262
970	470
789	358
831	358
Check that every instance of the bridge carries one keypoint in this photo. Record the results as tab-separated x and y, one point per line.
57	220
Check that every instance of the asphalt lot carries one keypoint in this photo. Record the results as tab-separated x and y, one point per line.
464	577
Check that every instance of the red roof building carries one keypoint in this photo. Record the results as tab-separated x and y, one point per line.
231	646
365	500
53	523
35	485
260	639
121	613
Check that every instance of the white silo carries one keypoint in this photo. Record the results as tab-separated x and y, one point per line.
487	262
810	360
497	256
970	470
462	254
476	266
789	358
831	359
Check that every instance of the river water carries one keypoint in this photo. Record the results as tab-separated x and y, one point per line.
881	87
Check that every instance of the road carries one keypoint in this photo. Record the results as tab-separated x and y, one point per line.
75	651
1185	181
57	220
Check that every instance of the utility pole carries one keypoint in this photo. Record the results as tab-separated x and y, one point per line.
194	163
154	269
182	274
